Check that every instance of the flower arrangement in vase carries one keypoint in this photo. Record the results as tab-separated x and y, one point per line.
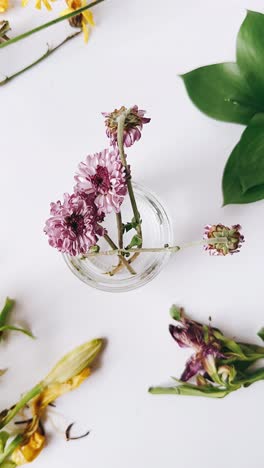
114	234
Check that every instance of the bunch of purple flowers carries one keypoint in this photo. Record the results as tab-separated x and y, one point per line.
102	181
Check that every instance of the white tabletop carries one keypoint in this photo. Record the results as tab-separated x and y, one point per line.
50	119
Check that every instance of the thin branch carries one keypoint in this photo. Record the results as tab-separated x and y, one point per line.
44	56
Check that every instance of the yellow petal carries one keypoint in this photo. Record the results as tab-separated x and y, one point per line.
89	17
38	4
24	2
47	5
54	390
30	450
3	5
85	31
65	12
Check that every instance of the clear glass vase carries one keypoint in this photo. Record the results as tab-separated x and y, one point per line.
156	232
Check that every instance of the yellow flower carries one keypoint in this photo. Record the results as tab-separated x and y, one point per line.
33	439
38	3
68	374
3	5
83	20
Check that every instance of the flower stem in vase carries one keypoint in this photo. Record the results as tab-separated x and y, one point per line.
120	142
120	256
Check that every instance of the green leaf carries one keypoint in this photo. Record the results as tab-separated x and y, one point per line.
243	179
9	304
176	312
22	330
8	464
221	92
261	333
136	241
230	344
250	54
4	436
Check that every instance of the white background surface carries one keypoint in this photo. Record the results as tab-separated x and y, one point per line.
50	119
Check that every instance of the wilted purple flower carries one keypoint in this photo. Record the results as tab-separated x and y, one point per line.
132	128
191	334
73	226
232	239
103	175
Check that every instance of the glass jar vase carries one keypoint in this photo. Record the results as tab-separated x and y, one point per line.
104	272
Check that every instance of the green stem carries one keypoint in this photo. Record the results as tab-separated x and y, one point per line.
21	404
186	390
120	142
119	229
11	447
121	258
167	248
49	23
49	52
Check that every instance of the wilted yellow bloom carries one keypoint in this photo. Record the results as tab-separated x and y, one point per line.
67	375
4	4
55	390
27	452
83	20
39	3
34	441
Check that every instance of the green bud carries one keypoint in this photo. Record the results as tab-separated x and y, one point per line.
74	362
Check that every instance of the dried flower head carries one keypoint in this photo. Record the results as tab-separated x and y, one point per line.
232	239
221	364
73	227
103	176
83	20
191	334
4	25
133	124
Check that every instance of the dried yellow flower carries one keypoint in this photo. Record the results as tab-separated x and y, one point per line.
84	20
4	4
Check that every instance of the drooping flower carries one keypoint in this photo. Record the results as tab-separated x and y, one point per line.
4	25
221	364
4	4
68	374
73	226
133	124
39	3
191	334
103	176
232	239
83	20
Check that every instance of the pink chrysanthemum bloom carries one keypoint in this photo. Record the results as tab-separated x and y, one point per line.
231	244
73	227
103	175
132	128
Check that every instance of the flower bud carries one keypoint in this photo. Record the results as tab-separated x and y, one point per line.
74	362
232	239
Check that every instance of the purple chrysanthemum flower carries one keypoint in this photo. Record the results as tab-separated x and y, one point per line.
231	244
73	226
133	124
103	175
190	334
